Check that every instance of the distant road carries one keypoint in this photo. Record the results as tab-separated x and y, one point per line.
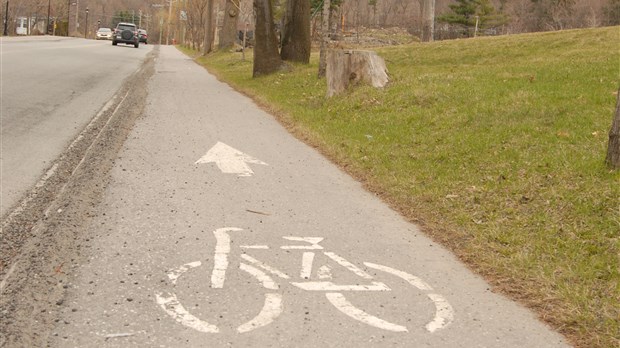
51	87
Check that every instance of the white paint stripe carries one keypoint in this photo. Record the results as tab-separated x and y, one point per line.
329	286
174	274
271	310
411	279
261	276
314	241
306	265
266	267
254	247
176	310
444	314
351	267
325	272
341	303
220	262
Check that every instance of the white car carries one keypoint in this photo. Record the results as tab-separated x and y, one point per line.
104	34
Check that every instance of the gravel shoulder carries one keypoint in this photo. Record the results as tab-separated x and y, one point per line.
43	237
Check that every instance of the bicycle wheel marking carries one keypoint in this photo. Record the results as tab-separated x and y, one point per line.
271	310
341	303
411	279
175	309
444	313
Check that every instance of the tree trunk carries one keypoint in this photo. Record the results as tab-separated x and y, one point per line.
266	57
208	45
324	38
345	68
296	37
613	148
229	28
428	20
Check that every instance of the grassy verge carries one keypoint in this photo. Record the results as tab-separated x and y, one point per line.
496	147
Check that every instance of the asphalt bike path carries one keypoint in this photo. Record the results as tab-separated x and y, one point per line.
220	229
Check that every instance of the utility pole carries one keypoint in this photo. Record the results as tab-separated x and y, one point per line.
68	16
6	19
49	8
140	18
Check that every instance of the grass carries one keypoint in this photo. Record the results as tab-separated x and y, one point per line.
496	147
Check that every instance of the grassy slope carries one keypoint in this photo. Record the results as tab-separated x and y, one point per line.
494	145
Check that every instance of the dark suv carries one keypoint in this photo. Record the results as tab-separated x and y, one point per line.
126	33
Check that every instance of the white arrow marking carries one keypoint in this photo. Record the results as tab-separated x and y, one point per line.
230	160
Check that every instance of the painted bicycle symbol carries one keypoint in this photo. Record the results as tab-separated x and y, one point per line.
273	305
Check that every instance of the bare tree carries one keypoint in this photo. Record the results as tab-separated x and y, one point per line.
266	57
296	39
428	20
613	148
209	29
229	26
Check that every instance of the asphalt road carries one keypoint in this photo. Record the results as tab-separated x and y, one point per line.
51	88
218	228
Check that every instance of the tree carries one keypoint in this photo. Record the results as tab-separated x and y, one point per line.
613	148
474	14
266	57
209	29
296	38
228	33
428	20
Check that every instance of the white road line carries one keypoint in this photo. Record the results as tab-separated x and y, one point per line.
351	267
176	310
444	314
306	265
271	310
220	262
314	241
264	266
325	272
341	303
254	247
174	274
411	279
261	276
329	286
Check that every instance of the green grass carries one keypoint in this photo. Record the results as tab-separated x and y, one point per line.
496	147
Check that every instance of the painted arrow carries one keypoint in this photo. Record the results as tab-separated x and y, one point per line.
230	160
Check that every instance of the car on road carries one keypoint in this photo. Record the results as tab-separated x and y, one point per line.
126	33
142	35
104	34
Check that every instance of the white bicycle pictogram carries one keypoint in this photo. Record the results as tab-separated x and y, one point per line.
273	305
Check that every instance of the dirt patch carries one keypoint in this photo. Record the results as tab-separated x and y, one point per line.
42	240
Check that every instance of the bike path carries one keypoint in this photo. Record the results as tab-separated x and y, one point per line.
193	247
